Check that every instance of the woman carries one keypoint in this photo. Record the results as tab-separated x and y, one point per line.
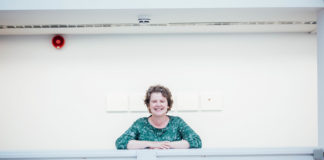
159	131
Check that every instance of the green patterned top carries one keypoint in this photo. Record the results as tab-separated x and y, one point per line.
176	130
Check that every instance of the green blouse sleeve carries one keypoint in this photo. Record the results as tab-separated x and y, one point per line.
131	134
189	134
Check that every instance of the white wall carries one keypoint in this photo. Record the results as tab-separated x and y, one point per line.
144	4
56	99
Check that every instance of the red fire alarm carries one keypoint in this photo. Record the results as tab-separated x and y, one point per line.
58	41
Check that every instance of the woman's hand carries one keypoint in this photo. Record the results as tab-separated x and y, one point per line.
160	145
182	144
136	144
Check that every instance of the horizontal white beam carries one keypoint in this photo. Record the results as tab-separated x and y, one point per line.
274	28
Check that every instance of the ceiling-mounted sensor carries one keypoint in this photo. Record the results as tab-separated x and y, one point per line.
143	19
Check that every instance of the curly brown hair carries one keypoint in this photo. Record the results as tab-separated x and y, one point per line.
158	89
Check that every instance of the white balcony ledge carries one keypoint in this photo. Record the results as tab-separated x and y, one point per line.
176	154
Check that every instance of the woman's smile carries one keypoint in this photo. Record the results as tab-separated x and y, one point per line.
159	109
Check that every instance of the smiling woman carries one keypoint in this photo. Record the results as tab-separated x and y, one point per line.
159	130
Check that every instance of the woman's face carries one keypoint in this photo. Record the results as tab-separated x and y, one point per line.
158	104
